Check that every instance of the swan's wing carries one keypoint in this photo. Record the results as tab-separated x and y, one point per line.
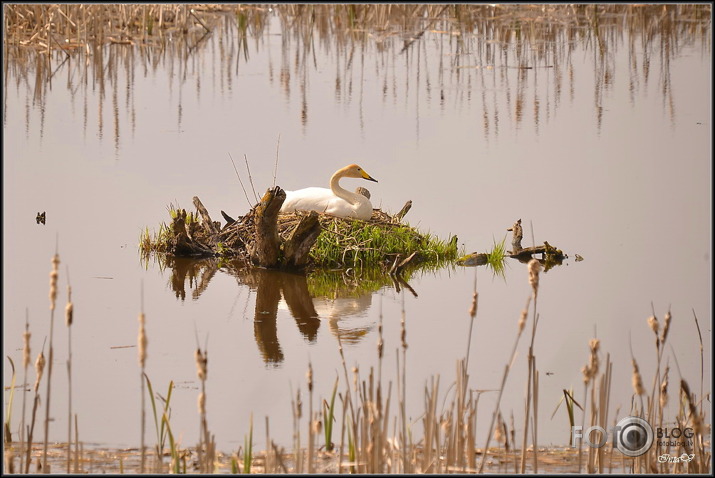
324	201
308	199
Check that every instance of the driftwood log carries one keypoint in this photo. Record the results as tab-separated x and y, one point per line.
267	250
254	236
550	255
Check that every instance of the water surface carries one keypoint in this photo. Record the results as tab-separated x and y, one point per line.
598	139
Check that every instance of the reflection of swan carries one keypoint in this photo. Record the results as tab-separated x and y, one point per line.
336	200
346	316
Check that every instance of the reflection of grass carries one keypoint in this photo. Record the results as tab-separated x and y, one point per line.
496	258
336	283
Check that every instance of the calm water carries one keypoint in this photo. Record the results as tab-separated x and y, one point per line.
601	144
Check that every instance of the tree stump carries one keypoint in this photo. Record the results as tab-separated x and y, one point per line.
297	249
266	248
265	251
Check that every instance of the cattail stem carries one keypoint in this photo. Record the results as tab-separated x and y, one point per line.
53	296
520	329
69	317
142	343
25	364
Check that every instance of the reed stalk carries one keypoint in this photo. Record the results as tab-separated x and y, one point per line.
248	448
329	418
297	408
25	365
69	316
206	445
406	444
311	437
534	267
507	368
142	344
7	433
39	371
54	274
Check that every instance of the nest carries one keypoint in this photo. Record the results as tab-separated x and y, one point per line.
239	234
300	239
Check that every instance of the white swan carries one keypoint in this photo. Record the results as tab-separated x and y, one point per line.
336	200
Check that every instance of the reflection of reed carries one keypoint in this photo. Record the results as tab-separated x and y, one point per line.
453	54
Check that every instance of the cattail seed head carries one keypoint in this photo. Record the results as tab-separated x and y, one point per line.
473	308
403	336
69	308
664	389
499	430
591	370
380	343
317	426
309	376
202	361
53	289
653	324
594	345
54	274
142	341
586	372
26	347
694	415
39	369
666	327
534	267
637	380
522	320
69	313
298	405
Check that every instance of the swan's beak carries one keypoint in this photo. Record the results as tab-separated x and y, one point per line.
367	176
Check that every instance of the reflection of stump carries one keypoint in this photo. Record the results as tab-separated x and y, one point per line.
268	294
300	304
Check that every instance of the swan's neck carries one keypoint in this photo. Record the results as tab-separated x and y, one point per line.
352	198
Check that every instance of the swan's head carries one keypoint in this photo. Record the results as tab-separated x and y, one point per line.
355	171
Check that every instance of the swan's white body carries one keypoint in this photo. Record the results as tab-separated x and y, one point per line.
336	200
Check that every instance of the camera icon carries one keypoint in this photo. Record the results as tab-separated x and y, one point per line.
633	437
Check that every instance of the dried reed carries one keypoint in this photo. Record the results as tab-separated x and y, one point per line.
26	354
142	344
534	267
54	274
69	317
